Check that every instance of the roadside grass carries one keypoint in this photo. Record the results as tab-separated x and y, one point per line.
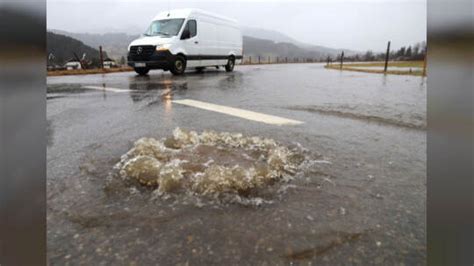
359	67
88	71
390	64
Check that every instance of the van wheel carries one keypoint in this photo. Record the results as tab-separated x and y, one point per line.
142	71
179	65
230	65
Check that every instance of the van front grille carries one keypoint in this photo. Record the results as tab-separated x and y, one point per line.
141	52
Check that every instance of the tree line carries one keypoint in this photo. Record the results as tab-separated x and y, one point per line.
412	52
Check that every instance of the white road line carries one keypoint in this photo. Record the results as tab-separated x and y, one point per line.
100	88
259	117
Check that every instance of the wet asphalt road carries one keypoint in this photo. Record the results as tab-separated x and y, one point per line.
366	207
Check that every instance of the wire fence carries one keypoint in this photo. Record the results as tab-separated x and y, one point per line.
255	60
339	59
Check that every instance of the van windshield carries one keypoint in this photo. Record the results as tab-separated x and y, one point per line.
164	27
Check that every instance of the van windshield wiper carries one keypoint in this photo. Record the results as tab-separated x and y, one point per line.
163	33
157	33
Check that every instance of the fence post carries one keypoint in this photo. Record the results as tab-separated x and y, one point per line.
250	60
286	60
259	59
101	58
277	59
269	60
342	59
386	58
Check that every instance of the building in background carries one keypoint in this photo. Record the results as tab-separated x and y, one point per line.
109	63
73	64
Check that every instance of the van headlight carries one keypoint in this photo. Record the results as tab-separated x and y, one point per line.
163	47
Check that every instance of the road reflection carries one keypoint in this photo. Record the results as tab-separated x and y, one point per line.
154	89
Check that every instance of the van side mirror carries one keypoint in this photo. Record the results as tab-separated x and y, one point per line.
186	34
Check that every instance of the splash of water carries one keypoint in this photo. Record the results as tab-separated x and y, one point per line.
211	163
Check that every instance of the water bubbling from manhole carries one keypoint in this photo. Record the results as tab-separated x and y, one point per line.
210	163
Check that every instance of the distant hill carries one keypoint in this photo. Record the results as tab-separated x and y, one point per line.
256	42
63	48
259	47
272	35
279	37
115	44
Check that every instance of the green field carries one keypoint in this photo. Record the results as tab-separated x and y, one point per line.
418	65
390	64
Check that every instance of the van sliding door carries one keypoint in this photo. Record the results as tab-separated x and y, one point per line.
191	44
208	38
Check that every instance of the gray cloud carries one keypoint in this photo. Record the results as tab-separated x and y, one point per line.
358	25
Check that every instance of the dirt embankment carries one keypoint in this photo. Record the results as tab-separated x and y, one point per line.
88	71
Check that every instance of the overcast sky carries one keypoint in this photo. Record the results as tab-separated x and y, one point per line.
349	24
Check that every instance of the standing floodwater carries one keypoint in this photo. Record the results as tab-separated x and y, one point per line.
352	192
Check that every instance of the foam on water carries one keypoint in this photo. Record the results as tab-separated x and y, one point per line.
210	164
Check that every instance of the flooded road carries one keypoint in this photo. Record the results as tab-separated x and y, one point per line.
359	199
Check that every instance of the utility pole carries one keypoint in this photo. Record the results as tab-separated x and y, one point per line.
101	58
342	58
386	57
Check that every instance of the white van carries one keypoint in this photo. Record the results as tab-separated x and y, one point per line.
187	38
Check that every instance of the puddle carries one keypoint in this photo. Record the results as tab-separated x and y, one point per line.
374	114
54	90
216	165
338	239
